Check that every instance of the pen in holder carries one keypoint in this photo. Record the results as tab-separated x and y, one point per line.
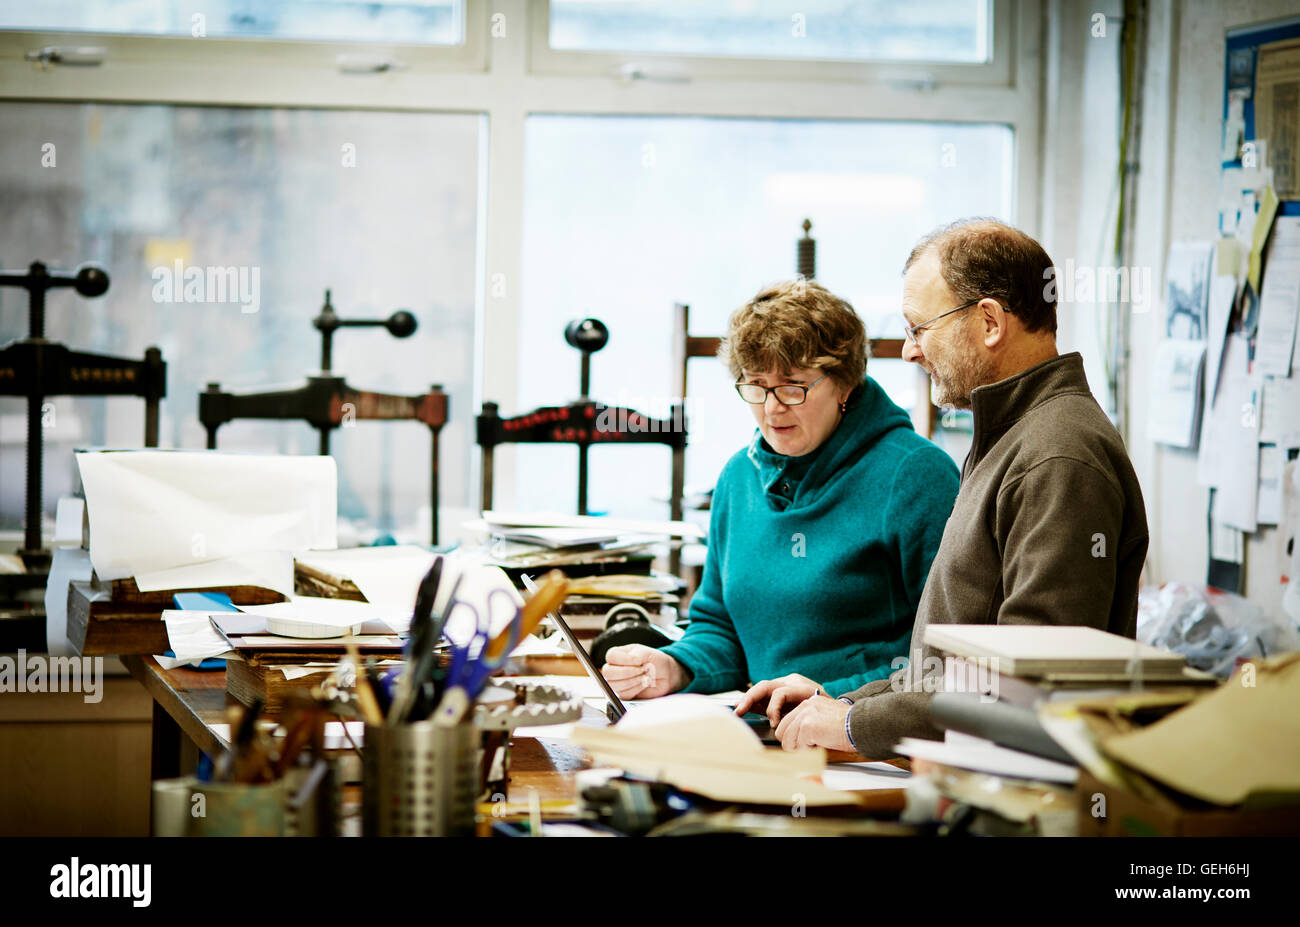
420	780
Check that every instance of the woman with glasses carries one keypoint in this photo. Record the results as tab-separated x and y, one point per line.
822	529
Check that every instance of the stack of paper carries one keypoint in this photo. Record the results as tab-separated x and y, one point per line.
212	519
1055	652
700	746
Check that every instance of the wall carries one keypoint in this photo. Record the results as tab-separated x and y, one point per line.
1177	192
1196	37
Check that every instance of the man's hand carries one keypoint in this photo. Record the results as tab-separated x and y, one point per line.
781	695
817	722
637	671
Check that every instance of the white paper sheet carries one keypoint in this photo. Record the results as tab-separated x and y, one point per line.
191	637
985	756
68	518
533	646
1174	409
156	510
1279	302
1269	506
682	529
272	569
69	564
1187	283
339	613
1279	421
1226	544
1229	453
1223	291
857	777
387	576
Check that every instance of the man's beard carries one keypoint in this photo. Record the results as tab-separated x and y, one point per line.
953	377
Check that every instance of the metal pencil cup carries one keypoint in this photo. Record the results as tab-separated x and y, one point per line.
188	807
420	780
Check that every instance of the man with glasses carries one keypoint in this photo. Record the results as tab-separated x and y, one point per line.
1049	525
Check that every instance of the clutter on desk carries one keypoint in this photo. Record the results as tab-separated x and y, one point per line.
608	562
428	760
701	747
1165	750
264	786
1013	746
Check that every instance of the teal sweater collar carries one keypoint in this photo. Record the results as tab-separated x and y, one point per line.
795	481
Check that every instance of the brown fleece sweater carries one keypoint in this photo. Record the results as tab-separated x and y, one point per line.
1048	528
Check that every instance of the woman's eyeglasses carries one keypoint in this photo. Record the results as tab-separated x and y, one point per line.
788	394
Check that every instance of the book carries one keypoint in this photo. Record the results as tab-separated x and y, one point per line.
1064	652
962	674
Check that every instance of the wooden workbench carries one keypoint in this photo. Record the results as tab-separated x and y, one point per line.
190	703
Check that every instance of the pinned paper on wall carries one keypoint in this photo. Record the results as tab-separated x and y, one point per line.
1279	421
1259	235
1175	410
1187	284
1223	293
1279	302
1229	453
1234	126
1268	510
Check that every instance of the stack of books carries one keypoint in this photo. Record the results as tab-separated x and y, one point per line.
1007	764
608	561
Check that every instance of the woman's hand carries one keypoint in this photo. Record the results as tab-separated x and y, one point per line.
780	695
637	671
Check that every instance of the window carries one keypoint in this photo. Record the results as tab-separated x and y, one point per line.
843	30
629	165
433	22
382	208
623	216
881	42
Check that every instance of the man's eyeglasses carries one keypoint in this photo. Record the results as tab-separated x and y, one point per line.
914	330
788	394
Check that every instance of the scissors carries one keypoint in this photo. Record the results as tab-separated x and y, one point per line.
472	664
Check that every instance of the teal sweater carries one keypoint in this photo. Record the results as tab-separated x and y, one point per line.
816	563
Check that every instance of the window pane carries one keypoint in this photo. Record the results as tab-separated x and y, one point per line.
626	215
428	22
137	188
846	30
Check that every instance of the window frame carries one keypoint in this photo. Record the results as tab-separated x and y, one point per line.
218	56
496	72
996	72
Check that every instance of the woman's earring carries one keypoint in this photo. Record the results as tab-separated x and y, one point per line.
844	407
